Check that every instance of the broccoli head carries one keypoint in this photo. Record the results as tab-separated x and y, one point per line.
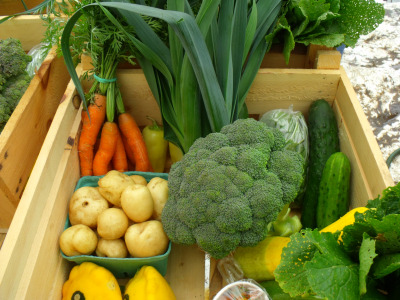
229	186
14	78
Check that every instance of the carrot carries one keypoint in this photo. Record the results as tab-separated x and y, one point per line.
128	151
90	130
135	140
119	160
104	155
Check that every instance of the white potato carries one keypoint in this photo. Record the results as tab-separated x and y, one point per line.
111	248
138	179
85	206
112	223
158	188
112	185
137	203
78	240
146	239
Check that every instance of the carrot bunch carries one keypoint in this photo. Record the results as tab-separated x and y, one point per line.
119	142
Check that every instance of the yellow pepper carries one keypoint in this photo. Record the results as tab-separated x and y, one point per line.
89	281
157	146
175	152
148	284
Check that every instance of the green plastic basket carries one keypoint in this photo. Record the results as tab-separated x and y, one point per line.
121	267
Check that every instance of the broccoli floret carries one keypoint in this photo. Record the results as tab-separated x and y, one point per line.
14	78
13	59
229	187
289	167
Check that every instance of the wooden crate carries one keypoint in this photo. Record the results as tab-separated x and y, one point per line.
22	137
31	266
10	7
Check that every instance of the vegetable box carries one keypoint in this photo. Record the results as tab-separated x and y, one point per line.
22	137
31	264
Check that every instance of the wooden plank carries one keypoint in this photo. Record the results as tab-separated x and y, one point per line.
28	29
328	60
21	234
2	238
44	260
370	156
279	88
312	55
185	272
9	7
31	118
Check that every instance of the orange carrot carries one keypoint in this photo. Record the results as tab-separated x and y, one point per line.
108	142
135	140
90	131
119	160
129	153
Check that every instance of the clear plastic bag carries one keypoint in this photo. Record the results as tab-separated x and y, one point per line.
38	54
238	288
243	289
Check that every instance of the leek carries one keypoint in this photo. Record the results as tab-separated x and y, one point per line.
201	76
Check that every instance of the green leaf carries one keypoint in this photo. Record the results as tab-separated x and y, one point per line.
332	274
291	273
366	258
385	265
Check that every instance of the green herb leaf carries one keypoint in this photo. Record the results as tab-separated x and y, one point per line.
366	258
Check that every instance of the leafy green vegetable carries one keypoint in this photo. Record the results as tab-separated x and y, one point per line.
326	22
367	255
362	265
201	76
386	265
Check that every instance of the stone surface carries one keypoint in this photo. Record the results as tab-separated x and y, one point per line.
373	67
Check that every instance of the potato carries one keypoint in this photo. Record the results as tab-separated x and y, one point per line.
137	203
146	239
112	223
111	248
159	192
112	185
85	206
78	240
138	179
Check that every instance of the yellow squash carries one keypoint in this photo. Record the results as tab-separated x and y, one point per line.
148	284
260	262
89	281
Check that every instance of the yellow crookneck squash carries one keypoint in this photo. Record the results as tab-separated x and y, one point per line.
260	262
148	284
89	281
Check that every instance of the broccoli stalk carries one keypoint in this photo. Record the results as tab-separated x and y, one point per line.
229	186
14	78
285	224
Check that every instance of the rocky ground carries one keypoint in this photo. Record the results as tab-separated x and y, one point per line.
373	66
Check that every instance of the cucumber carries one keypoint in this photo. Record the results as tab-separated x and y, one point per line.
334	188
324	141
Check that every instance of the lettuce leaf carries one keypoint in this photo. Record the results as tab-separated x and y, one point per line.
326	22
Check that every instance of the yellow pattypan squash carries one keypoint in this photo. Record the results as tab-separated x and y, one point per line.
148	284
89	281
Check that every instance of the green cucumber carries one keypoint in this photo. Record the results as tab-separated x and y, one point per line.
334	190
324	141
